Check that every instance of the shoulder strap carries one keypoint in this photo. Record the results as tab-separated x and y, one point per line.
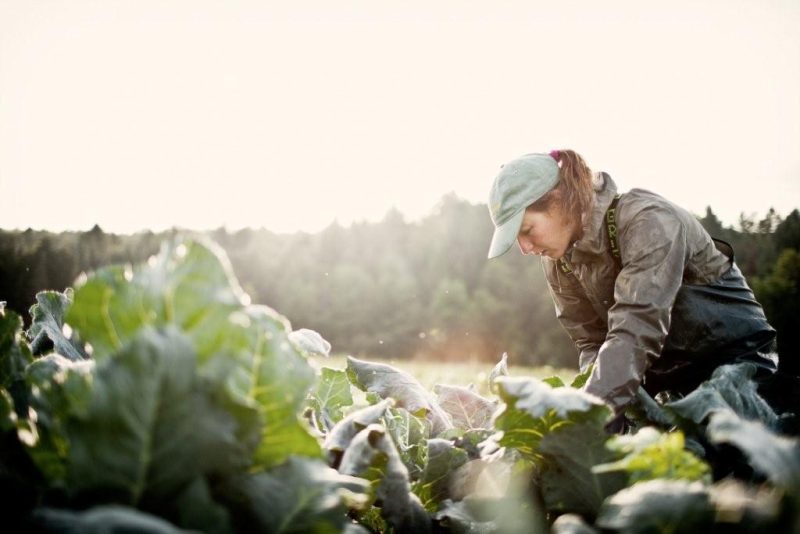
611	227
613	244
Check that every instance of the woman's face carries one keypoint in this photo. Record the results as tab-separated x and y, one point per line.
546	233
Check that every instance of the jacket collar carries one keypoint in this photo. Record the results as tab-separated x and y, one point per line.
593	241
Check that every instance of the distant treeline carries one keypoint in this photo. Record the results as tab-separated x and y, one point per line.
402	290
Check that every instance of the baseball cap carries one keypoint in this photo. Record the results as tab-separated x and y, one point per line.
520	183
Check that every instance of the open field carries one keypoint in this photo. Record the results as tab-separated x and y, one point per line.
429	373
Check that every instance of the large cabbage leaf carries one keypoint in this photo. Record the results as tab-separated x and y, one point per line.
389	382
773	455
731	387
561	430
244	350
151	429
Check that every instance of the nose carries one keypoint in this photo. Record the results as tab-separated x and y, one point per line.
525	246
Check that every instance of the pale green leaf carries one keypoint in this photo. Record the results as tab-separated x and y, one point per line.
389	382
467	409
650	454
47	325
310	342
330	394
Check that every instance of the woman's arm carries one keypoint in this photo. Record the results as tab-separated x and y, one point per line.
654	249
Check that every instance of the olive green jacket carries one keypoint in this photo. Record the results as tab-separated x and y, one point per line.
675	294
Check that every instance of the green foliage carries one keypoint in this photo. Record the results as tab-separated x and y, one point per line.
389	382
186	415
443	459
110	518
779	293
730	388
47	326
15	354
650	454
777	457
326	400
533	409
187	410
466	408
562	430
658	506
299	496
373	455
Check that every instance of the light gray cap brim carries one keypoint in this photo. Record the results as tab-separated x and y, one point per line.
506	234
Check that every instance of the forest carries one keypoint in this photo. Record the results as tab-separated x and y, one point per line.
402	290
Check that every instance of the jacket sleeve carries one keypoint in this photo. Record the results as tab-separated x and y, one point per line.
575	313
653	247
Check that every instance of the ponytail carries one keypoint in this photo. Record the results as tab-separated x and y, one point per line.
574	188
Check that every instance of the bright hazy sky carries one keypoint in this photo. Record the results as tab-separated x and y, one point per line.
287	115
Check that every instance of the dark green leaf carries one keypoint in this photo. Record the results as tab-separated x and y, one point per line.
515	514
195	508
372	454
533	409
60	388
47	325
581	378
410	434
730	387
466	408
14	352
100	519
300	496
775	456
562	430
647	411
658	506
554	381
151	426
466	517
8	418
567	481
390	382
434	485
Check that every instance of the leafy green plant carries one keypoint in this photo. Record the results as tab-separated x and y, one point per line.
156	397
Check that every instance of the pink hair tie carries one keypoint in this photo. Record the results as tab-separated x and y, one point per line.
555	154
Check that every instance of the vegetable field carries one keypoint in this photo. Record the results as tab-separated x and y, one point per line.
156	398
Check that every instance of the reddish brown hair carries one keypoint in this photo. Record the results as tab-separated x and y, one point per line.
574	188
